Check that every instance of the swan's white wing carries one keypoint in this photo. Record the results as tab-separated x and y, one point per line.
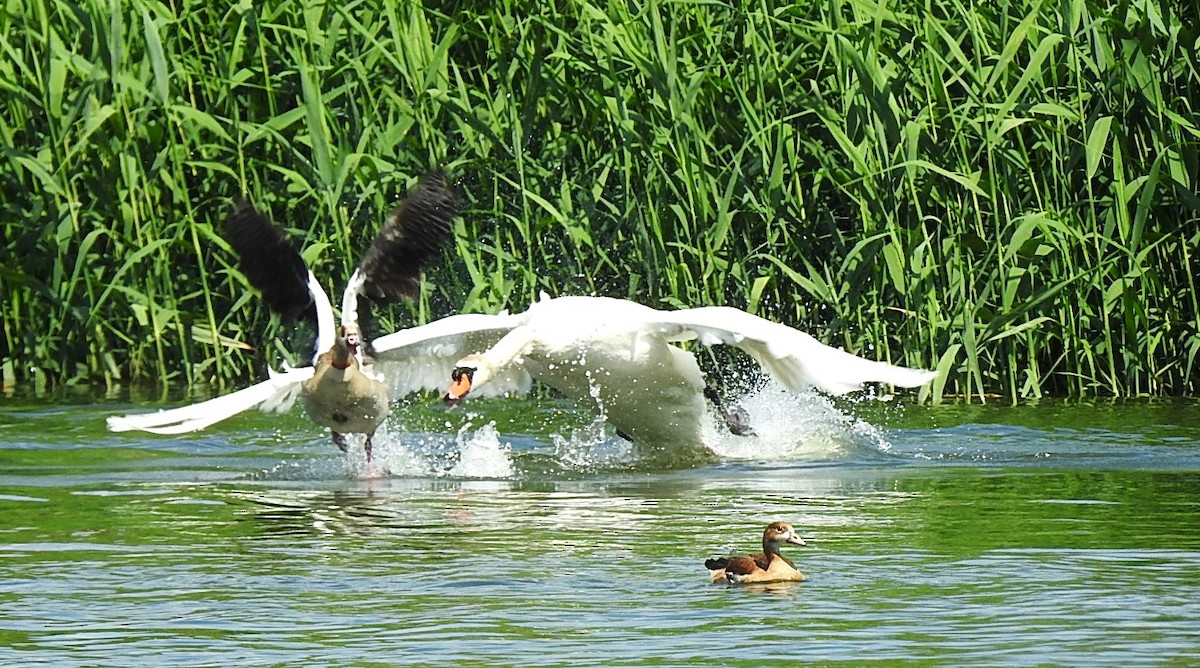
792	357
421	358
276	393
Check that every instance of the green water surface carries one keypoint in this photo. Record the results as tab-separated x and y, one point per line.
1051	535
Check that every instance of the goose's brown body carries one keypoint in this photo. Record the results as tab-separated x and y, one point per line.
343	393
345	399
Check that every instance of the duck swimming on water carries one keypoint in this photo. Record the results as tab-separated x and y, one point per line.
768	566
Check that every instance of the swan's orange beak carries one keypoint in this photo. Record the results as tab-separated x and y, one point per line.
460	384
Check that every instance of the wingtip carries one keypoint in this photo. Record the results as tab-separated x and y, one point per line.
920	377
268	259
415	233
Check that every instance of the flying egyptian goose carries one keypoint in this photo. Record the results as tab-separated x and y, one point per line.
769	566
340	390
618	355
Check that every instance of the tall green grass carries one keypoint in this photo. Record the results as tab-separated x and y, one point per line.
1005	191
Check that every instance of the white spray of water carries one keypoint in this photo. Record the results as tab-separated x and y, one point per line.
797	426
788	426
392	457
481	455
592	448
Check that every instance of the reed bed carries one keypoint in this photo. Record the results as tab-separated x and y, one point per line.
1005	191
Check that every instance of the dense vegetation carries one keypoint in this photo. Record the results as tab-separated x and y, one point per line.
1003	190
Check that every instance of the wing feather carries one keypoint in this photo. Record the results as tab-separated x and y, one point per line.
421	358
276	393
793	358
269	260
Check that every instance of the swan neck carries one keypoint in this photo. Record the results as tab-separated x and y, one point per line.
508	349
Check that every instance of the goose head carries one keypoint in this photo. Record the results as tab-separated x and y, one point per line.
470	371
778	533
345	345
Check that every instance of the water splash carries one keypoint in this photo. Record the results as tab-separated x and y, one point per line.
788	427
591	448
803	425
394	455
469	453
481	455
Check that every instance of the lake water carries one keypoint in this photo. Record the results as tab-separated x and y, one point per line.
515	533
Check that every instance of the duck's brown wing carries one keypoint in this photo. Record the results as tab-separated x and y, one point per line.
269	260
413	235
740	565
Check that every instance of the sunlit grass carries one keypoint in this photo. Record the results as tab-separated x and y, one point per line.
1003	191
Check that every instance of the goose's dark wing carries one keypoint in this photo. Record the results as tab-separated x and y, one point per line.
412	236
269	260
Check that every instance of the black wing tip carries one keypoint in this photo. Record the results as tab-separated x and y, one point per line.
433	194
437	176
269	260
715	564
242	212
413	235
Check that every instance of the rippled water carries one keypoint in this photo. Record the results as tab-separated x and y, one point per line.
515	533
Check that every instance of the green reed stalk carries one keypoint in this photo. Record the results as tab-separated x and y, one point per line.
1005	192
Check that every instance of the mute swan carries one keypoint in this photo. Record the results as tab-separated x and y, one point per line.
770	566
340	390
617	355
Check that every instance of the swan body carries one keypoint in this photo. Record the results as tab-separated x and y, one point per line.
340	390
767	566
599	351
619	356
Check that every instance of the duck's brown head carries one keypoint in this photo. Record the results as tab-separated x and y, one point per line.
778	533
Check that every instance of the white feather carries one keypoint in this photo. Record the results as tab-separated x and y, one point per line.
421	358
350	298
792	357
325	326
617	354
272	393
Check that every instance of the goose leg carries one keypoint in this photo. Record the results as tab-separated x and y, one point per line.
736	418
339	439
367	447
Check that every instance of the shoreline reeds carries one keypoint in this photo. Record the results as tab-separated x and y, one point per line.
1006	192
